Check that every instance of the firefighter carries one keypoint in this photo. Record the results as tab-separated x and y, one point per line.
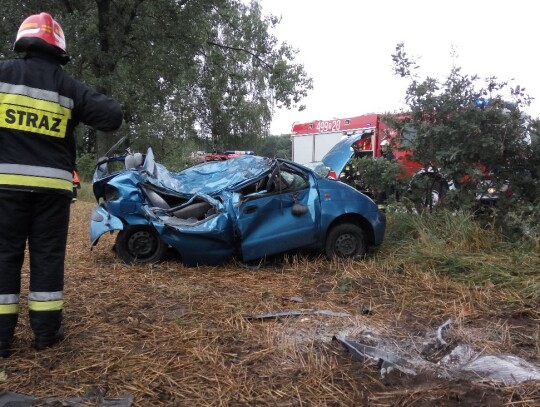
350	171
40	105
350	174
386	153
357	148
76	185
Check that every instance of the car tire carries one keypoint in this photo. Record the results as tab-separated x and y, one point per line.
346	240
140	245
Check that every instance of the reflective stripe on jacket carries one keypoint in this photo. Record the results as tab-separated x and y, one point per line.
33	176
40	106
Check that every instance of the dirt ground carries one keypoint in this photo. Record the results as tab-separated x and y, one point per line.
170	335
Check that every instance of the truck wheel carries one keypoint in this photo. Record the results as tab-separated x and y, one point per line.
346	240
139	245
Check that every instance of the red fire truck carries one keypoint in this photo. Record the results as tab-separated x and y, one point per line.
311	141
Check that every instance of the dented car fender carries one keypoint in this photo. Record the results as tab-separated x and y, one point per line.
101	222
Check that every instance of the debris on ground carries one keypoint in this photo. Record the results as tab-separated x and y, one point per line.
461	361
294	313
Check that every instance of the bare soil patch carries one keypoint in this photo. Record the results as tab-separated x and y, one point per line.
176	336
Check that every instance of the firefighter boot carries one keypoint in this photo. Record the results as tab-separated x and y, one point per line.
42	342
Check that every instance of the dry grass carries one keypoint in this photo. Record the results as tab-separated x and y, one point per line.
176	336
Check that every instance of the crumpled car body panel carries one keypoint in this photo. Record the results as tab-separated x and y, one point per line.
216	176
267	225
101	222
248	206
210	239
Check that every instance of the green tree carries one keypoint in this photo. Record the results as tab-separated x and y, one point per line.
184	69
276	147
469	127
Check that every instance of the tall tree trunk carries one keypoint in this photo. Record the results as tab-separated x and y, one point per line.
104	68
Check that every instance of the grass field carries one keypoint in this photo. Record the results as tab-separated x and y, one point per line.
170	335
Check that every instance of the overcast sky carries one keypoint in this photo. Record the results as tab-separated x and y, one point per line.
346	47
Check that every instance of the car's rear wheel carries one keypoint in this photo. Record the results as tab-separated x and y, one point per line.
140	244
346	240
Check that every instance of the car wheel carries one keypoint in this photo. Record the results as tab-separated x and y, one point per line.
139	244
345	241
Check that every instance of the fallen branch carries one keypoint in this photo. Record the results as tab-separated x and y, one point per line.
295	313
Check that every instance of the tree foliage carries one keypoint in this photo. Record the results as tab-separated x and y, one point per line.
197	72
469	128
276	147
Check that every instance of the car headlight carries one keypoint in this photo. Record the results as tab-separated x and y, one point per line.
111	193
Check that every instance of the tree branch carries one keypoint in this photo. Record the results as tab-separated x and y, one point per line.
241	50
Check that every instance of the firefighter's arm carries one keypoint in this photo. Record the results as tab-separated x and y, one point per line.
96	109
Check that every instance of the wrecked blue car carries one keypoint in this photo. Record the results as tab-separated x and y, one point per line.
247	208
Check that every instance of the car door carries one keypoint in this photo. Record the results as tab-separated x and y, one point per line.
285	217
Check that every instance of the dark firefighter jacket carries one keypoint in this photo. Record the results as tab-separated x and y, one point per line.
40	105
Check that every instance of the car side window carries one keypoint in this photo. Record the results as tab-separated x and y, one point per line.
282	180
293	181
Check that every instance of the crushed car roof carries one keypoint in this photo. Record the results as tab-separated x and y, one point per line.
216	176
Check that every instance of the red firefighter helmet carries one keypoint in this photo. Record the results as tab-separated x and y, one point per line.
43	27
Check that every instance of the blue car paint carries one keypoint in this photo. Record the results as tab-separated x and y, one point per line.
268	226
256	225
341	153
343	201
215	176
101	222
210	239
127	209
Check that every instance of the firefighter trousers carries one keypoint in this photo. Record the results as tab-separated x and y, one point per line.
42	220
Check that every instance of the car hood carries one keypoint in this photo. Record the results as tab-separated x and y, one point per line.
341	153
